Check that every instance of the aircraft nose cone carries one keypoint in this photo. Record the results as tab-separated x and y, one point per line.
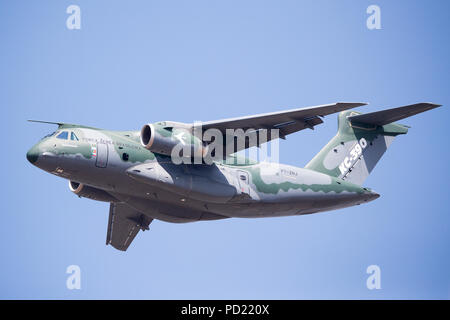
376	195
373	195
33	154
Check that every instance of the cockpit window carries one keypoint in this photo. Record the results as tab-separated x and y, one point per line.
73	136
49	135
63	135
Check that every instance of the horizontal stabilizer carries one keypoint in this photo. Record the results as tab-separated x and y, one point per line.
384	117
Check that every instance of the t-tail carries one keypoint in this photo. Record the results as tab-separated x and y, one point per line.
361	141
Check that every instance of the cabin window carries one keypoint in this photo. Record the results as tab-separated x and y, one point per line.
63	135
73	136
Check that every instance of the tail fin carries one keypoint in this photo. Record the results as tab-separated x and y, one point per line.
361	141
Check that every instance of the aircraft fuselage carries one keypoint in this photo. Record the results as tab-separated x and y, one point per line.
115	163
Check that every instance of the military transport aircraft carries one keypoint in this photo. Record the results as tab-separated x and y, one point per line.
136	173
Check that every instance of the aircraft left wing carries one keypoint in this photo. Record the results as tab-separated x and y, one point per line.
124	224
286	122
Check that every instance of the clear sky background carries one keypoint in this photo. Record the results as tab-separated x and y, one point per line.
135	62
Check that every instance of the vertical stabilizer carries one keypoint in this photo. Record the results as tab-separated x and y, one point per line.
361	141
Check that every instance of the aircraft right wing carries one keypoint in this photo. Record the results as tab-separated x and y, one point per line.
124	224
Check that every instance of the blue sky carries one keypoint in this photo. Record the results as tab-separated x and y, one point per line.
144	61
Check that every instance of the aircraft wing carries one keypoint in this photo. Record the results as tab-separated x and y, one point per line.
287	122
124	224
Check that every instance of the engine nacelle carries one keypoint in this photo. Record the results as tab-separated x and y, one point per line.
85	191
164	139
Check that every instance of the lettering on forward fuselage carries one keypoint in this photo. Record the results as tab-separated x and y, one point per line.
355	153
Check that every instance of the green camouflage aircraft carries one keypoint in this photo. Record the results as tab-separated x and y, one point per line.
136	172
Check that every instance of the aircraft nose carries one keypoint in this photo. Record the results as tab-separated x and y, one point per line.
33	154
373	195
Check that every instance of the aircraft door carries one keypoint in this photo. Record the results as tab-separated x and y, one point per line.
102	155
243	181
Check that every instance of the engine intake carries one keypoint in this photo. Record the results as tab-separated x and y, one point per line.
89	192
163	140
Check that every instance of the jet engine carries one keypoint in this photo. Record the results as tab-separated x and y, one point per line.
85	191
164	139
